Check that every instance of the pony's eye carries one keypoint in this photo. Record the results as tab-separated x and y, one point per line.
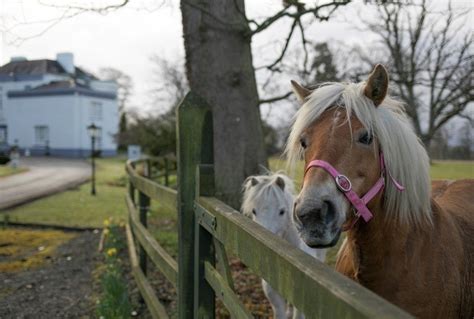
254	212
303	142
365	138
282	212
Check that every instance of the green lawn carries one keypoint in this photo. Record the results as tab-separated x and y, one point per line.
6	170
77	207
452	169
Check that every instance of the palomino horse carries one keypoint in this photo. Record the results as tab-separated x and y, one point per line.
268	200
368	173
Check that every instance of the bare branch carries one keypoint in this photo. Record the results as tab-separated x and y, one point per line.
298	14
276	98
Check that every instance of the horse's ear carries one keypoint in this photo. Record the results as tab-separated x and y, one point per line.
280	182
300	91
377	85
251	181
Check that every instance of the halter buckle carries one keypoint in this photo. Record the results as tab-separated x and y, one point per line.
343	183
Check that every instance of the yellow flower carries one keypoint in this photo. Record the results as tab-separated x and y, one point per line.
106	222
111	252
106	231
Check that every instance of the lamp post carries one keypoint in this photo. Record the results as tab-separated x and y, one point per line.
93	130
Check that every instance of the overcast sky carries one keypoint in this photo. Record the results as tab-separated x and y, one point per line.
125	39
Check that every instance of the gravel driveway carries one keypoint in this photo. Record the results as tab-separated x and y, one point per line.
46	176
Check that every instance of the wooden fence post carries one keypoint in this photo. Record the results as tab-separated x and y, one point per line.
167	183
195	146
204	295
144	206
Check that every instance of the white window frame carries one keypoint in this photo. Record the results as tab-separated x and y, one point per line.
96	111
41	135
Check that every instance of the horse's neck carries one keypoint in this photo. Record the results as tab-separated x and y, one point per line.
374	245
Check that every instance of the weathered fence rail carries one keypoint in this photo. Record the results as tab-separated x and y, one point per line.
208	229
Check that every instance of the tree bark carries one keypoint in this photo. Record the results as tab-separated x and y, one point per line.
219	68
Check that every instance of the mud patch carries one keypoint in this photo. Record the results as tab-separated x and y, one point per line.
47	274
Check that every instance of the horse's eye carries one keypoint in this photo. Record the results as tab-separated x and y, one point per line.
254	212
303	142
282	212
365	138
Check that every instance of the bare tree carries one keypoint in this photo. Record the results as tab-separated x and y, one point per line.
431	62
124	83
169	81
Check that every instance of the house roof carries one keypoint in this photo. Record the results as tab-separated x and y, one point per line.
39	67
55	88
57	85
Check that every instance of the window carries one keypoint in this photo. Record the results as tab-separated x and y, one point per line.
1	100
3	134
95	111
41	135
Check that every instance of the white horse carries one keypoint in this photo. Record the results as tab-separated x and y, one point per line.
268	200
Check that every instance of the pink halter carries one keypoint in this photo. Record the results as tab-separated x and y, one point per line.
344	185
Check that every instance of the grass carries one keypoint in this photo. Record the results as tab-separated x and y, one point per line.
77	207
23	249
452	169
6	170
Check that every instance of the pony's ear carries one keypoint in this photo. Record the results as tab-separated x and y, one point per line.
280	182
300	91
377	84
251	181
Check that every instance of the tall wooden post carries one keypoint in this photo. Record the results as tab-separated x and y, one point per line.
204	251
195	146
144	206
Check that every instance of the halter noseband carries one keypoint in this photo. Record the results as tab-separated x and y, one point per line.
345	186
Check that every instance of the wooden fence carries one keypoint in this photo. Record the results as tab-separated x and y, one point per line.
208	229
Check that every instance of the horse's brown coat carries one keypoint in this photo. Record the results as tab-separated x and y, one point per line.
428	270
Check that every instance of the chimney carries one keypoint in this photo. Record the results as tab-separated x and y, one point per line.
66	60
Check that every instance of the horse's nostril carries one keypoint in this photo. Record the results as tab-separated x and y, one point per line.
306	215
330	212
324	213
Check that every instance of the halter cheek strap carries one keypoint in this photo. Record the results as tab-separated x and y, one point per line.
344	185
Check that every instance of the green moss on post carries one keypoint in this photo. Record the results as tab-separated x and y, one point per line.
194	129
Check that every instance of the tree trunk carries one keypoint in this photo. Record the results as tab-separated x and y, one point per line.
219	69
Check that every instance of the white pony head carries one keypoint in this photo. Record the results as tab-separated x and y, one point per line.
268	200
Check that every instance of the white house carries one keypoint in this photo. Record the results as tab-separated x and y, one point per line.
46	106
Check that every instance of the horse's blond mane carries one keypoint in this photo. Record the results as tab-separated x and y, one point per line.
405	156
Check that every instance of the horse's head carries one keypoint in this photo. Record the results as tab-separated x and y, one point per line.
268	200
340	138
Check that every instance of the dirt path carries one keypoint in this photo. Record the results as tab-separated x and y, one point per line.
46	176
62	287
